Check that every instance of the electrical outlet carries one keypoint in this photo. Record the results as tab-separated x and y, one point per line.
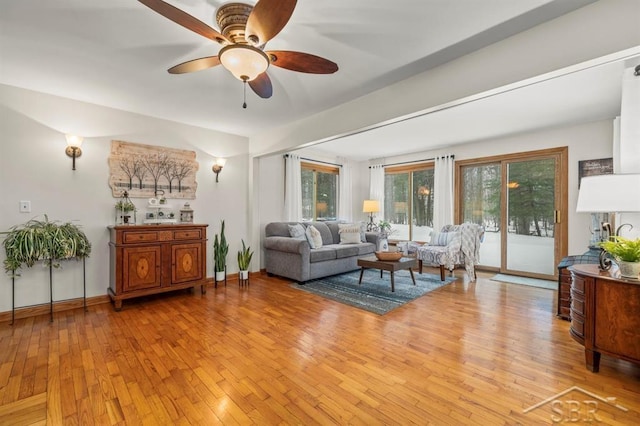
25	206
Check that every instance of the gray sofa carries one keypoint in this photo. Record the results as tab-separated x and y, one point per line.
293	258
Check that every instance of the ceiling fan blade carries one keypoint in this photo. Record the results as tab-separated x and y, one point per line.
184	19
195	65
301	62
262	86
266	20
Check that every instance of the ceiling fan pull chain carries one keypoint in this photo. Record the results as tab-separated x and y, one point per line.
244	104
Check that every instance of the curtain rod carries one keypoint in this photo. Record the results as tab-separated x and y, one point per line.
410	162
316	161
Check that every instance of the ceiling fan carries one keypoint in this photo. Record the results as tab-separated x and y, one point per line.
244	31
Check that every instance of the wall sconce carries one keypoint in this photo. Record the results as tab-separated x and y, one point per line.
218	165
73	148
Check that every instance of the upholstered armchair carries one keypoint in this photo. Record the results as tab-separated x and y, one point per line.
453	245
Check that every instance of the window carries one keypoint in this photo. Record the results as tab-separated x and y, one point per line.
319	191
408	201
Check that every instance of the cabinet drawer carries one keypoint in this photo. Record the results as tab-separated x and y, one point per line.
187	234
139	237
577	325
578	284
577	306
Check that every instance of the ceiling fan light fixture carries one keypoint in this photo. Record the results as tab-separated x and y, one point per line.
243	61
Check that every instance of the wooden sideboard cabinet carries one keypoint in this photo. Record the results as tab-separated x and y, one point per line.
605	314
150	259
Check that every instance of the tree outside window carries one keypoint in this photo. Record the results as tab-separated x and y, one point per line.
408	201
319	192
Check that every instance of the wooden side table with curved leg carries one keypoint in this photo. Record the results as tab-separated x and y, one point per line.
605	314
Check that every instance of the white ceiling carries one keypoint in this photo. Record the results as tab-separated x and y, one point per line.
115	53
590	94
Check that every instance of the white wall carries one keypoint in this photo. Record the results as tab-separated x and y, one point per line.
34	167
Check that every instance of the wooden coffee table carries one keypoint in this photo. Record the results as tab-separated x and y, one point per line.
388	265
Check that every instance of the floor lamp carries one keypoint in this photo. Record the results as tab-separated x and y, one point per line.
613	193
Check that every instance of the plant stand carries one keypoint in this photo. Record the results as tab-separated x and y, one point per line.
242	282
13	297
84	292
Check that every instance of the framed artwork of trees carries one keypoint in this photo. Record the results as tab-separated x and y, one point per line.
146	171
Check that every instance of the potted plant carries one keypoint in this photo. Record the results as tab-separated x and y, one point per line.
244	260
43	240
626	253
220	251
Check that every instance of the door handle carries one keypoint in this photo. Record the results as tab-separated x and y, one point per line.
556	216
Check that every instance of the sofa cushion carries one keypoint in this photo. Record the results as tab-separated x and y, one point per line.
335	231
365	248
322	254
314	237
346	250
349	233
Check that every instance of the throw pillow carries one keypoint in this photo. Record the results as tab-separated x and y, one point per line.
297	232
314	237
440	238
349	233
310	240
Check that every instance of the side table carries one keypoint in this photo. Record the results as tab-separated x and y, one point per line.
564	279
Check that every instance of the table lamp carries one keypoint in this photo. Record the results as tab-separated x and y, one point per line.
371	207
604	194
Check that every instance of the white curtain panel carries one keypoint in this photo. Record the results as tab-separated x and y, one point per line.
345	199
443	188
376	187
293	189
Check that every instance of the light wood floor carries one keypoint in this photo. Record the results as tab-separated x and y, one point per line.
468	353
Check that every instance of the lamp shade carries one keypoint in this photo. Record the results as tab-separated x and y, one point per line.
74	140
221	161
617	193
243	61
371	206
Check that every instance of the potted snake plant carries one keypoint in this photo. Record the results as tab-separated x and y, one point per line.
244	260
220	251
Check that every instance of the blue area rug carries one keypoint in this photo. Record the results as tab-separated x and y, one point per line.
374	294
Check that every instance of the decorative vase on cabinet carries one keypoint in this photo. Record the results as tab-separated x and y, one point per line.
629	269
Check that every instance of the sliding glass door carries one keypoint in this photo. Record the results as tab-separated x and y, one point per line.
531	216
519	199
